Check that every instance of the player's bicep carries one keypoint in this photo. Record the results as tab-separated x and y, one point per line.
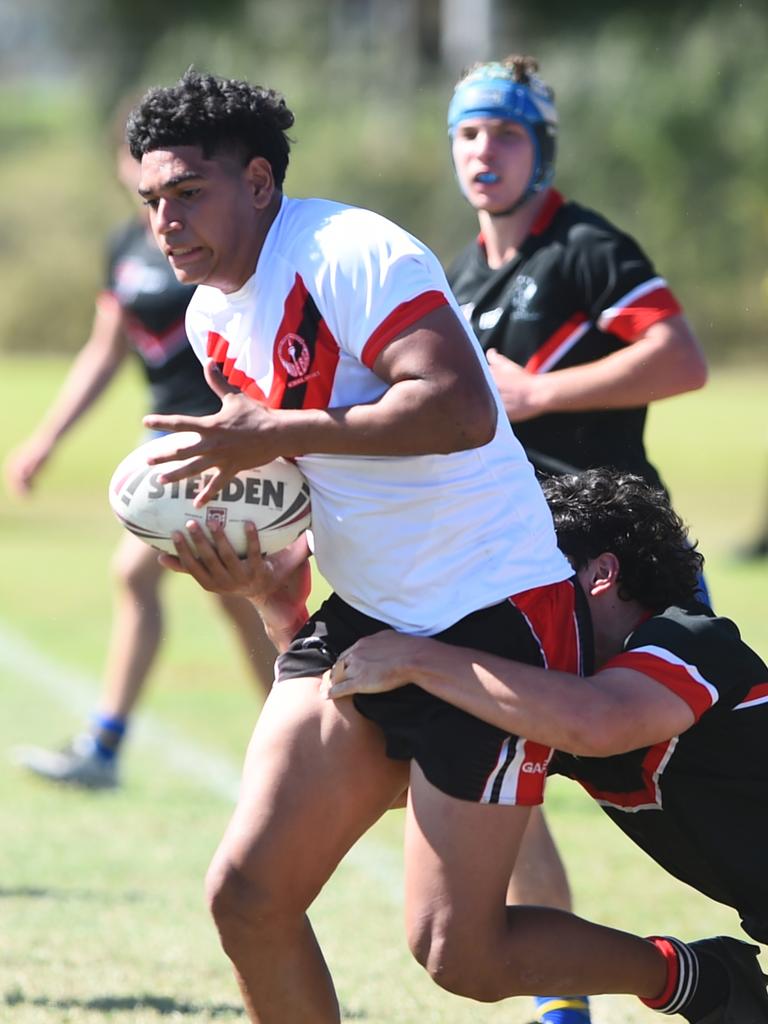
676	354
636	710
436	354
436	348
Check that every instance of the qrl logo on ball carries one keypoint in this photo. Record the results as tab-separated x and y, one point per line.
216	515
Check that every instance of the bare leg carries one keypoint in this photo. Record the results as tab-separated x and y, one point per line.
256	645
459	856
315	778
136	626
539	876
539	879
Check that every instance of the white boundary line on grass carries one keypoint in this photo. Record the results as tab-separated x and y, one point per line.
219	775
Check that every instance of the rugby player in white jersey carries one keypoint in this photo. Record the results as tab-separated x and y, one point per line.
333	339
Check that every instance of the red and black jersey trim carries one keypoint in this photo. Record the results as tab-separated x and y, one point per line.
559	344
671	671
755	696
305	353
305	356
648	794
217	349
629	317
306	384
552	204
522	764
546	215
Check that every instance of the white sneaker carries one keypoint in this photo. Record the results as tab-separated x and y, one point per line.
78	764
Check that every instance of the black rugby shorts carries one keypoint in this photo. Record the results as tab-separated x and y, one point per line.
459	754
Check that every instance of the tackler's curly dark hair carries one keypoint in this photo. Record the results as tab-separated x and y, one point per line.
216	114
603	510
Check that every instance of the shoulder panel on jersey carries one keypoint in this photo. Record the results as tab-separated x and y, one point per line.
547	610
682	678
631	316
709	642
399	320
617	283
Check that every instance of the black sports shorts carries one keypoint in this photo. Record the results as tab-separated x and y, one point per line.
459	754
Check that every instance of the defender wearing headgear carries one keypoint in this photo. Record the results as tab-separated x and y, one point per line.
579	330
489	92
666	732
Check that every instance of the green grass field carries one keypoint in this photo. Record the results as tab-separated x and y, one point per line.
101	907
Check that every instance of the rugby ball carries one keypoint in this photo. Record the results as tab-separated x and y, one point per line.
274	497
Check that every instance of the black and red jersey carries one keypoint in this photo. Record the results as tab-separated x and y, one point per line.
697	802
578	290
154	305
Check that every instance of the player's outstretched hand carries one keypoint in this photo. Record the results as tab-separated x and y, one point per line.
23	465
243	434
378	663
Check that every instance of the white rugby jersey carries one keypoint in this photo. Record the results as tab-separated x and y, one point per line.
417	541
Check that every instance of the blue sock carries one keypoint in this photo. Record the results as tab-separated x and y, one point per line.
108	733
562	1009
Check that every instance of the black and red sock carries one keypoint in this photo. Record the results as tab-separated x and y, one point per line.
696	983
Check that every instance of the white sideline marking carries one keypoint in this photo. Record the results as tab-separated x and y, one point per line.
218	774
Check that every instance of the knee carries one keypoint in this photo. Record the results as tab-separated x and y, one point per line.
450	961
464	961
244	904
232	896
136	573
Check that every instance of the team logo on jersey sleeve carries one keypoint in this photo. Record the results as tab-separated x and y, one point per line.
293	352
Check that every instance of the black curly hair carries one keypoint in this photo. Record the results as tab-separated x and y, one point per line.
603	510
216	114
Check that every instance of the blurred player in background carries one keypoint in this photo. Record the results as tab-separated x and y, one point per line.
666	731
579	331
141	310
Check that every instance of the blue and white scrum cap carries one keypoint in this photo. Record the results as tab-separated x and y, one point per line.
490	91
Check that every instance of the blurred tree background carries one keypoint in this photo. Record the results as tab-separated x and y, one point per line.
662	128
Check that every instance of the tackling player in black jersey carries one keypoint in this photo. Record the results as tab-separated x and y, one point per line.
579	330
667	732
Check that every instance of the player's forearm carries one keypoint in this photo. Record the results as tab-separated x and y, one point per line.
282	625
666	361
545	706
90	373
411	418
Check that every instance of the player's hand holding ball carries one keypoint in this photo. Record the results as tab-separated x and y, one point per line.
151	503
278	584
